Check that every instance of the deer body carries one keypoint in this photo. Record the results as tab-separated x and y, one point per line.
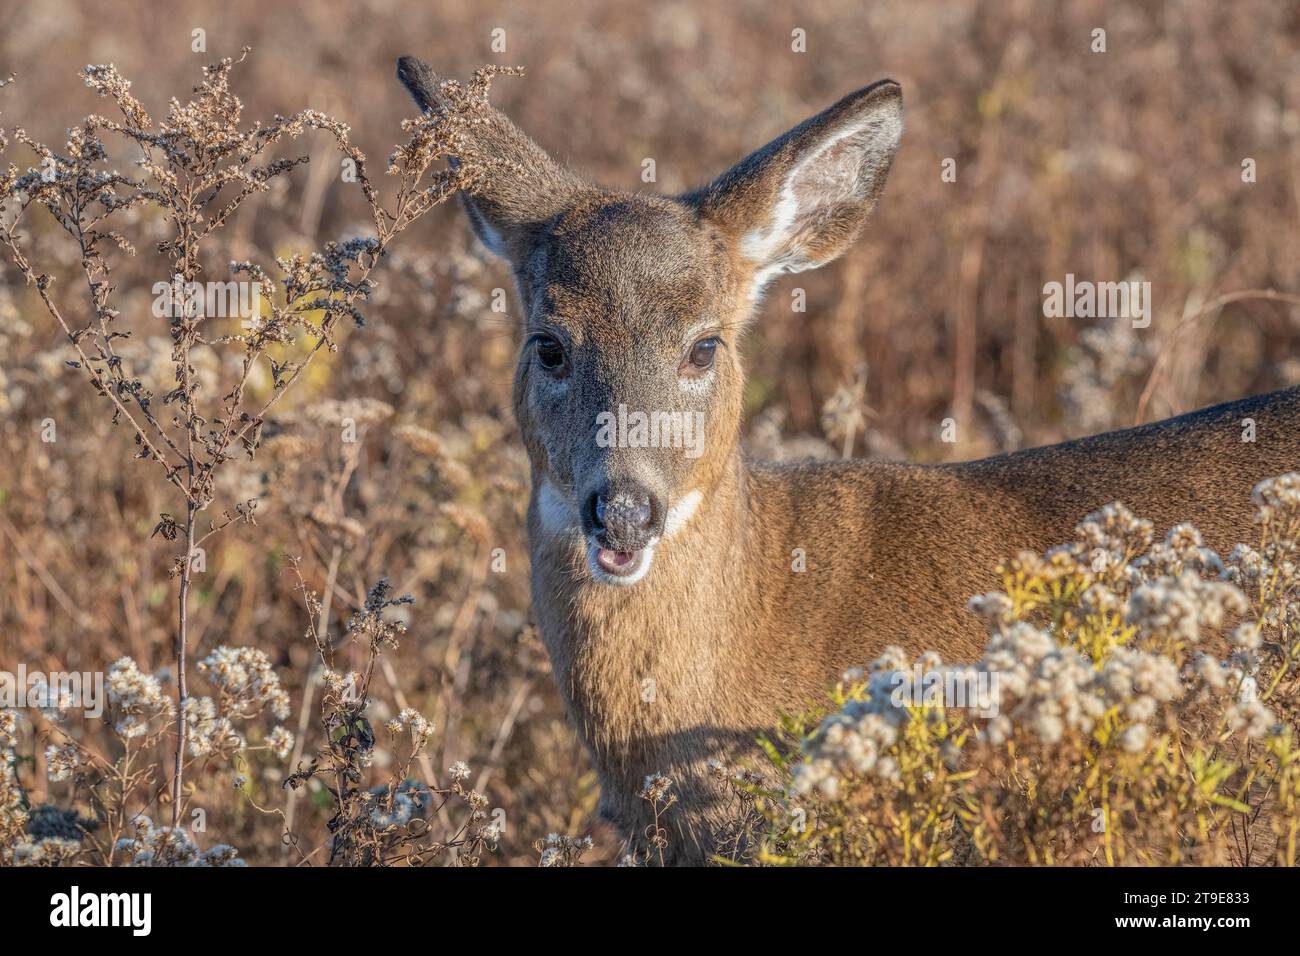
686	600
730	637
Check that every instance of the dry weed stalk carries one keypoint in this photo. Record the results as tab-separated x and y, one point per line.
386	825
138	716
197	167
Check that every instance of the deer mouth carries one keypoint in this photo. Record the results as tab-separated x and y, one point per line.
619	567
617	562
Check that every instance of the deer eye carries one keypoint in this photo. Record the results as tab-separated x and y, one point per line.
702	354
550	353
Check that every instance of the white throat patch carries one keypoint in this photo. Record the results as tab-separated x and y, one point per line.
680	514
556	514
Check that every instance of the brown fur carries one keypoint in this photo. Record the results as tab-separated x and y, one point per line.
727	634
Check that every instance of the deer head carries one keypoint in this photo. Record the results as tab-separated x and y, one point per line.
629	383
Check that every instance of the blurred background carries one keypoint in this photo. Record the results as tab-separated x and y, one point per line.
1123	164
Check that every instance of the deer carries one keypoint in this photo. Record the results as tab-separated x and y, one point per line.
686	599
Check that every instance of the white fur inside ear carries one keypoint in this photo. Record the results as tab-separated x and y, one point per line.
492	239
842	168
486	233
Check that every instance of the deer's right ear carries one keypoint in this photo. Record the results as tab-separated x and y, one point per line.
508	208
800	201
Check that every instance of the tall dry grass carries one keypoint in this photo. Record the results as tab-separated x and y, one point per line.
1108	165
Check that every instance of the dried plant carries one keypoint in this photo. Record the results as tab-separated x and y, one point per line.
197	168
650	846
847	411
386	825
560	850
122	786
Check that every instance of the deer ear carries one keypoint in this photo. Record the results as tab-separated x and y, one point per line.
801	200
508	208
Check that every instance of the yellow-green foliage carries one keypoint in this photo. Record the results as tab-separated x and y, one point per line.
1143	712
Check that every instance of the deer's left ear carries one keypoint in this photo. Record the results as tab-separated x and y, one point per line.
506	210
800	201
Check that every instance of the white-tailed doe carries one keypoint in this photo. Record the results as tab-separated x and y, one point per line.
685	599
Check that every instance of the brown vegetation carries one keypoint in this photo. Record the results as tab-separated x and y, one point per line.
1114	165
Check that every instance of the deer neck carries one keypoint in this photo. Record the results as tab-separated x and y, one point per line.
648	662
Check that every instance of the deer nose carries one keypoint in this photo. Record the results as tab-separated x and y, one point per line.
624	519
